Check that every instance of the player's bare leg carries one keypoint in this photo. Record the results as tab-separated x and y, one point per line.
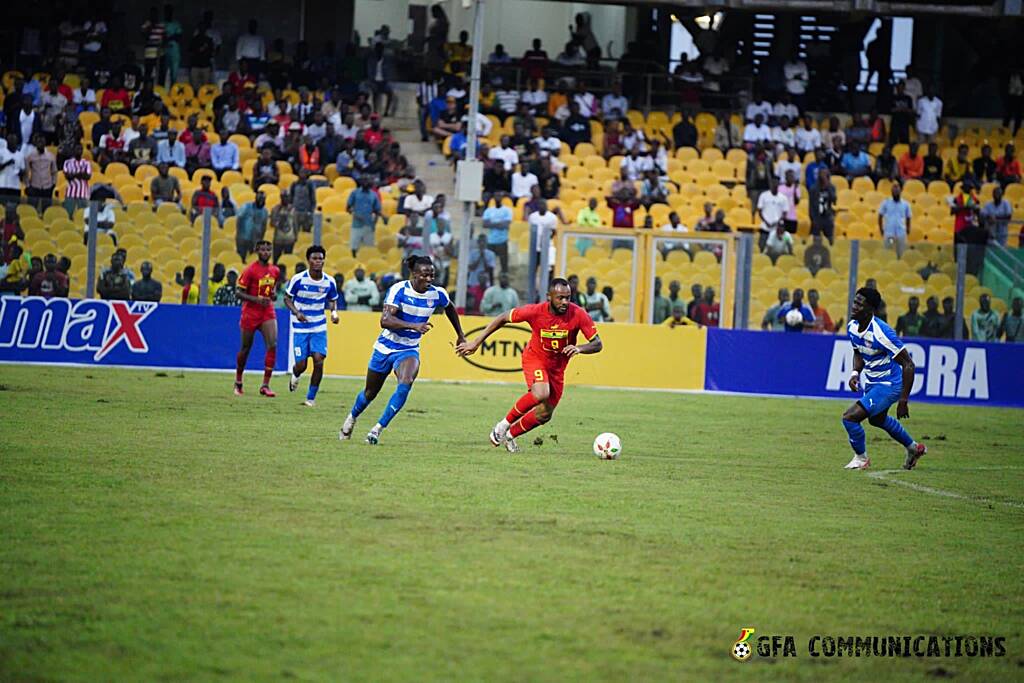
269	331
314	381
297	370
242	358
374	382
406	373
538	415
522	406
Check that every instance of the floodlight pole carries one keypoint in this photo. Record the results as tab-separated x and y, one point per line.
469	208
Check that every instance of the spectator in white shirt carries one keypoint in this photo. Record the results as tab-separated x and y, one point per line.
419	202
790	163
786	108
807	138
772	207
783	135
673	225
546	220
535	97
507	101
796	75
250	46
614	104
546	142
635	165
589	105
506	154
929	115
522	182
764	108
632	138
483	124
756	131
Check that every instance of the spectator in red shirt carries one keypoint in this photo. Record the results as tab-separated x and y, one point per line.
966	208
911	165
373	135
241	79
49	282
707	311
12	232
535	61
1008	168
822	320
115	97
204	198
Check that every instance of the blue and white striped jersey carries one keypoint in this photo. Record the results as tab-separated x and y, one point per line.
878	345
413	307
310	297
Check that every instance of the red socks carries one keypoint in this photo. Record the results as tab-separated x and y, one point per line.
240	365
525	403
268	365
525	423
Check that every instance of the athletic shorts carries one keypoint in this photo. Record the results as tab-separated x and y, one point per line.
308	343
386	363
537	370
878	398
253	317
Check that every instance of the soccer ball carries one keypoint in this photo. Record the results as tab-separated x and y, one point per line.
607	446
794	318
741	651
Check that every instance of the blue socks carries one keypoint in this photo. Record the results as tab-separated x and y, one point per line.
395	404
857	439
360	405
311	394
893	427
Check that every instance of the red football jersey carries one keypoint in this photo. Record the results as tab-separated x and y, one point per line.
552	333
259	280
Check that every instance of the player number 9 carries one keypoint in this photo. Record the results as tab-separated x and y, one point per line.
554	344
538	375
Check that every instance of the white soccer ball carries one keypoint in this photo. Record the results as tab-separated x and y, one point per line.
794	318
607	446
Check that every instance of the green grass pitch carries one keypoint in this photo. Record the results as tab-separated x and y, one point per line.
154	527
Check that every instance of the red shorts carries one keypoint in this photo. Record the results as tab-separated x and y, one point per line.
254	316
537	370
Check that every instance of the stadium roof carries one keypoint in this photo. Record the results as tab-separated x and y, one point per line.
977	8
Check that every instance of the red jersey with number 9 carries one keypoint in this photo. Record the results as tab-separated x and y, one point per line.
552	333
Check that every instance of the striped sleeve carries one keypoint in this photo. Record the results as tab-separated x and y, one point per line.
391	299
887	337
332	292
293	285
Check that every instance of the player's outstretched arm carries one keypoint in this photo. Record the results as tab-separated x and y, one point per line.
907	363
468	348
453	318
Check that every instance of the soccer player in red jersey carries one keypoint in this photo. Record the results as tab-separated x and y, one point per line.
256	289
556	323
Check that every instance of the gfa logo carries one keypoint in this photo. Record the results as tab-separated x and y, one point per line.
61	324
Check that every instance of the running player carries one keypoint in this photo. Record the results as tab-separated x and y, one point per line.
404	319
256	290
888	375
307	295
555	324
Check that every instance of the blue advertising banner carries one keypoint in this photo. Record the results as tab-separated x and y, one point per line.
790	364
90	331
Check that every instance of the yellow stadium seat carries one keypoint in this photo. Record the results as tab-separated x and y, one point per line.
116	168
687	154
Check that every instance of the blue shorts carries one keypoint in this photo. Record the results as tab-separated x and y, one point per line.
878	397
386	363
308	343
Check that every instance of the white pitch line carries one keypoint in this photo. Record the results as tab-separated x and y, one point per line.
882	476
